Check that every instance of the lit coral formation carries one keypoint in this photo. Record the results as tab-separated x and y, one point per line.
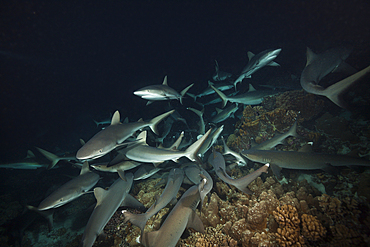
312	229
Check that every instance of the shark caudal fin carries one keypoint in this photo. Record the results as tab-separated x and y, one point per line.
155	121
192	151
183	92
335	91
222	96
52	157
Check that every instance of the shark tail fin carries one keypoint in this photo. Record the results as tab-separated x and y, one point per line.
52	157
226	148
335	91
242	183
191	152
138	220
222	96
155	121
199	113
183	92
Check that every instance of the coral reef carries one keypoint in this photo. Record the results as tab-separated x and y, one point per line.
312	229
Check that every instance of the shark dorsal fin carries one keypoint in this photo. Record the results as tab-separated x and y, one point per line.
85	168
99	194
250	55
165	81
126	120
140	120
251	88
142	137
30	154
310	56
218	110
210	83
216	66
115	119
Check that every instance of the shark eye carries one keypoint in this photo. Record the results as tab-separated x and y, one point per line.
100	150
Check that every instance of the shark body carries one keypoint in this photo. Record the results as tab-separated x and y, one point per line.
144	153
169	193
161	92
182	215
301	160
252	97
256	62
218	162
114	135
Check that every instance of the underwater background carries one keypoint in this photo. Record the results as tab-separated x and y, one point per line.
64	64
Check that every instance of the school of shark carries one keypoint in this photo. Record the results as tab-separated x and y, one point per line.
256	167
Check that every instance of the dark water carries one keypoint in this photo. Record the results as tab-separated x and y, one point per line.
64	64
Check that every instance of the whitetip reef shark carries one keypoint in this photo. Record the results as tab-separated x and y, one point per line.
183	215
114	135
256	62
161	92
108	201
301	160
218	162
319	65
169	193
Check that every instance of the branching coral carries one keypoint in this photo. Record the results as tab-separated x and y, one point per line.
312	229
288	233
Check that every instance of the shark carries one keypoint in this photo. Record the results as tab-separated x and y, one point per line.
114	135
144	153
302	160
220	75
222	86
183	215
71	190
252	97
122	165
23	165
108	201
161	92
277	139
174	181
222	115
68	192
176	144
218	162
256	62
319	65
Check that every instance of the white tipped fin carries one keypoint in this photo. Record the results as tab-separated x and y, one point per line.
85	168
142	137
116	118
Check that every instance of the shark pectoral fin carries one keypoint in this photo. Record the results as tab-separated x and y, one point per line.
272	63
121	173
307	148
345	67
331	169
48	214
245	190
149	102
195	222
132	202
276	170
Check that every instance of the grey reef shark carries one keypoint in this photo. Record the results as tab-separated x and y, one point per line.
256	62
319	65
161	92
